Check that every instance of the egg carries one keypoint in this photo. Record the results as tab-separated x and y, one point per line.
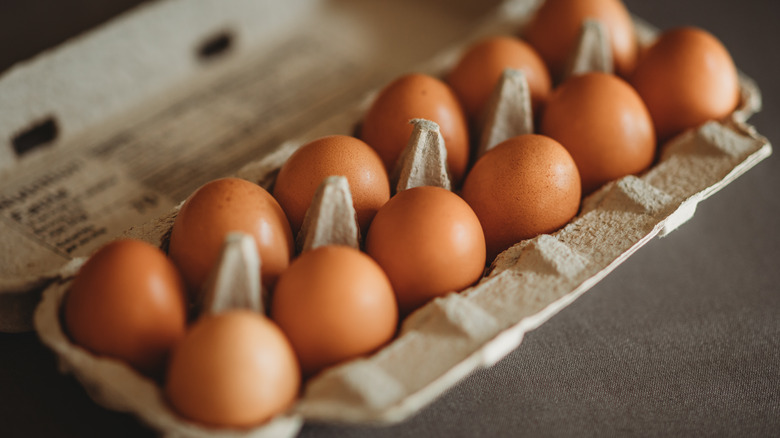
127	302
219	207
234	369
303	172
686	78
479	69
429	242
603	123
386	126
334	303
555	29
523	187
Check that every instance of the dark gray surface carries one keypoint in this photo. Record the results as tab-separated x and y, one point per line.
682	339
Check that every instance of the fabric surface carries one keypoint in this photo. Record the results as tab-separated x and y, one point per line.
682	339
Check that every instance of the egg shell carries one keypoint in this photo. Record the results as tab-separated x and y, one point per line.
476	74
233	369
523	187
342	155
686	78
386	126
555	28
429	242
334	303
604	124
219	207
128	302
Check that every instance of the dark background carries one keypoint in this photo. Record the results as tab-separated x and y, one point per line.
682	339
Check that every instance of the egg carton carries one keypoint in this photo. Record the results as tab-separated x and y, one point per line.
449	338
452	336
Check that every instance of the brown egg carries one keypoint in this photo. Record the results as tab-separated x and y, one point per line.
556	26
686	78
303	172
334	303
429	242
480	68
222	206
386	127
525	186
234	369
604	125
127	302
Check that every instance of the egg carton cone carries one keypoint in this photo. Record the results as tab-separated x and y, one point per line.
235	281
508	112
452	336
331	218
592	51
424	160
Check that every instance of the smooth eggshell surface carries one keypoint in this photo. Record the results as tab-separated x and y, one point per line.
303	172
127	302
386	126
234	369
525	186
555	29
429	242
334	303
476	74
604	125
219	207
686	78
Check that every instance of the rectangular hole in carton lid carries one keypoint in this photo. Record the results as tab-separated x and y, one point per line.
215	46
40	134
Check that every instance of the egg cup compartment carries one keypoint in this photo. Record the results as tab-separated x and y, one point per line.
450	337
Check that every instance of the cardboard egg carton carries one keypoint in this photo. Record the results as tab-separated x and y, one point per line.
450	337
453	335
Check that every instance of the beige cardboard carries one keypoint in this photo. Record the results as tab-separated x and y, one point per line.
424	160
593	52
508	112
235	282
331	218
